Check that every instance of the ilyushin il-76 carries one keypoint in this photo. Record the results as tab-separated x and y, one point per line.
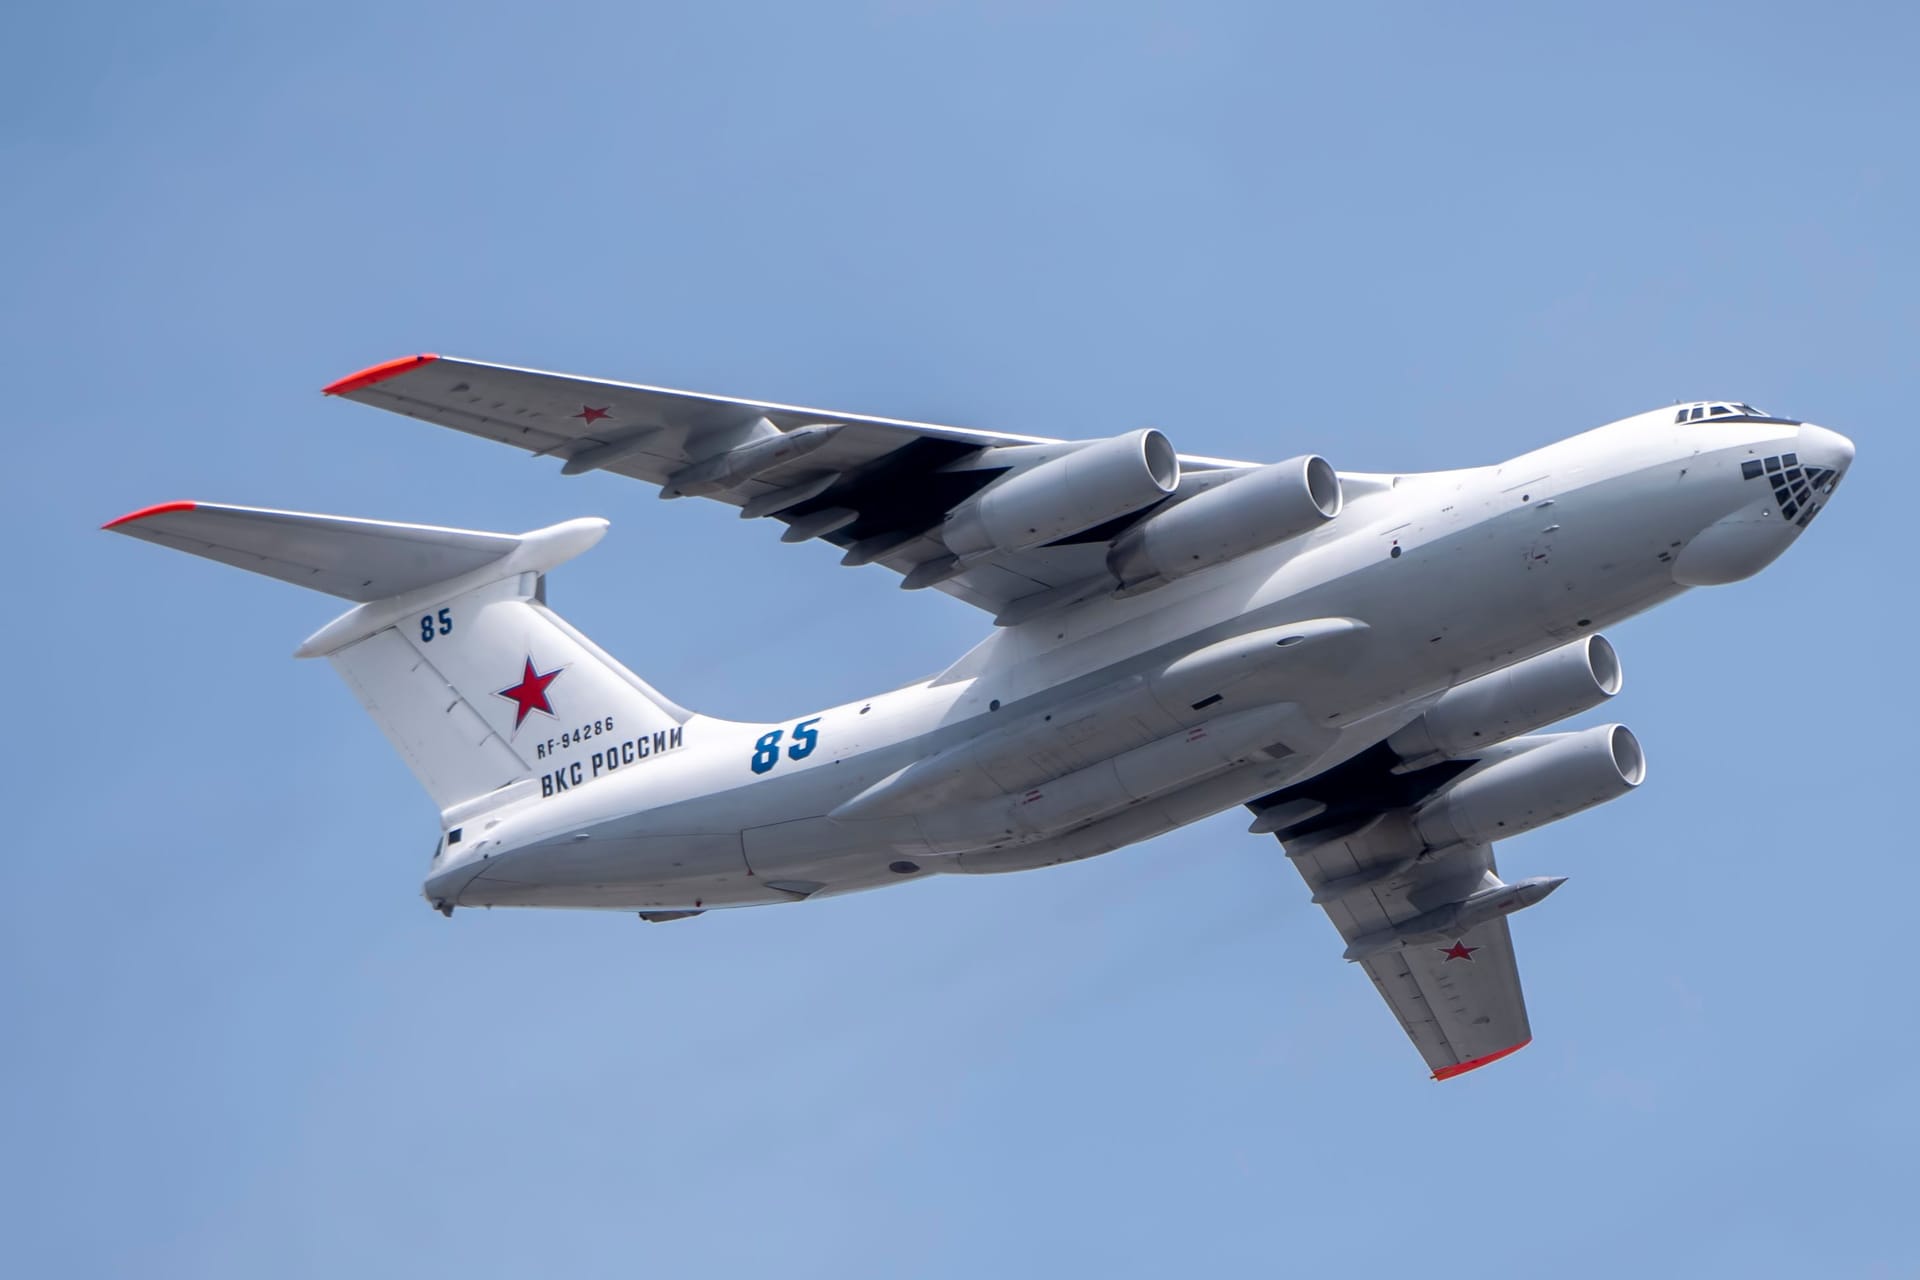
1365	661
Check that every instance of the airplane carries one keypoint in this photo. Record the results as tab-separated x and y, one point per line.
1364	661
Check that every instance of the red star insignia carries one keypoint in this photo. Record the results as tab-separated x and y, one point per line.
1458	951
531	693
591	414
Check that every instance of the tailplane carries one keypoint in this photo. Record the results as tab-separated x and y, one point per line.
450	647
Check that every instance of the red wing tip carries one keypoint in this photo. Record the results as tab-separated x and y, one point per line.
158	509
376	373
1461	1068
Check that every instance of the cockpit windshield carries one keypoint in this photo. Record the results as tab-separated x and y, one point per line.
1730	410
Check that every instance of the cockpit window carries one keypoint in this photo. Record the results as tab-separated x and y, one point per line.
1732	410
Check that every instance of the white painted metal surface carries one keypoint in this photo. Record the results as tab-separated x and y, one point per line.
1356	675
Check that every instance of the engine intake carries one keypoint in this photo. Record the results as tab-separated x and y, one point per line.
1534	781
1503	704
1244	514
1076	491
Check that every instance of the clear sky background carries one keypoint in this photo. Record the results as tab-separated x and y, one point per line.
237	1043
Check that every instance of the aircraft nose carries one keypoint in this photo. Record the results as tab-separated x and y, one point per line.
1820	447
1795	486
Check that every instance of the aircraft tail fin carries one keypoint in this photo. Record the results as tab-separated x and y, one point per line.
484	691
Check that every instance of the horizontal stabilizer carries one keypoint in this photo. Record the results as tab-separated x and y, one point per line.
354	559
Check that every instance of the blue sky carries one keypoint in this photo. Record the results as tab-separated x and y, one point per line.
237	1042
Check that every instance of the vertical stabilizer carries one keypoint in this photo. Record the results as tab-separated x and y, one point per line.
477	684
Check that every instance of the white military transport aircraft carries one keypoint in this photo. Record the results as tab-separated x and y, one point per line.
1361	660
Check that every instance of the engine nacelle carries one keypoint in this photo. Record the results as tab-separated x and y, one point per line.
1244	514
1534	781
1076	491
1504	704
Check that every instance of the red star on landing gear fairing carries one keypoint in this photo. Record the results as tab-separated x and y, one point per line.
531	693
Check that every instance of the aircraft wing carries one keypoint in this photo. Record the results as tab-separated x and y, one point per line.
876	487
1450	977
1458	996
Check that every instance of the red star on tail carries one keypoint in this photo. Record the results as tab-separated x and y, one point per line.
531	693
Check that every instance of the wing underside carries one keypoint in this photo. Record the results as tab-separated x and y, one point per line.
878	488
1457	994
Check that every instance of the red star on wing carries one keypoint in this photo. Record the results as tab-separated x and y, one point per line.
531	693
1459	951
591	414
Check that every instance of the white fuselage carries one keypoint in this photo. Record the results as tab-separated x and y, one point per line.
1065	735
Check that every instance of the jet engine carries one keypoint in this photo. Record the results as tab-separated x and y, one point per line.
1062	496
1250	511
1519	699
1531	782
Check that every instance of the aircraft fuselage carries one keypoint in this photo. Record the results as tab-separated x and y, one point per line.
1079	732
